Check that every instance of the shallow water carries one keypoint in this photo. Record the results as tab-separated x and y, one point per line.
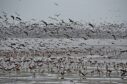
48	78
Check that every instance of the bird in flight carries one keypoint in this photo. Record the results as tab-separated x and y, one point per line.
18	18
91	25
12	17
44	22
56	4
71	20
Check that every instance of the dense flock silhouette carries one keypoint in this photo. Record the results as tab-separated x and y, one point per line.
63	48
13	27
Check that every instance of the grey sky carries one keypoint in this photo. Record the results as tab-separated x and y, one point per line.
86	10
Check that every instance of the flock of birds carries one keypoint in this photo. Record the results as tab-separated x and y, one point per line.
62	66
14	27
63	47
81	66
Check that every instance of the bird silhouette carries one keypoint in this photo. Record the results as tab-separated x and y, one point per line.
114	37
83	74
91	25
44	22
26	33
71	20
62	21
84	38
18	18
56	4
45	30
12	17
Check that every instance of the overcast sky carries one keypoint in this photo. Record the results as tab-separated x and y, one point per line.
86	10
